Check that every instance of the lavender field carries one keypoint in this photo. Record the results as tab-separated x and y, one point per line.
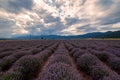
60	60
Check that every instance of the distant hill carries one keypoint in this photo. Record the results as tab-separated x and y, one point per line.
109	34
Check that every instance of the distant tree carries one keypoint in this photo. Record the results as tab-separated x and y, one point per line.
42	38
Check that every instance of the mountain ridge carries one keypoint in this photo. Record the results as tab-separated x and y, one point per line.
108	34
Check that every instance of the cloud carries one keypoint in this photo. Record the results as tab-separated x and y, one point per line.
104	4
6	27
5	23
113	17
72	21
16	6
50	19
61	17
42	29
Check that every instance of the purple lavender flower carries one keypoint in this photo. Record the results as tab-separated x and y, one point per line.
59	71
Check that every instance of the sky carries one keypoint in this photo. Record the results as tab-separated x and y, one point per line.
58	17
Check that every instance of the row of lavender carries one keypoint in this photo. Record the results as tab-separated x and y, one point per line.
22	64
106	51
89	58
9	47
111	46
60	67
10	57
53	60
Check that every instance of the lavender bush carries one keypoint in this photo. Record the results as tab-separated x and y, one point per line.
12	76
35	51
6	62
3	54
27	65
61	58
94	67
21	53
112	60
59	71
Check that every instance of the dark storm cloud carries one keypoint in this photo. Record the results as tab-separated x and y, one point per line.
83	27
86	28
112	18
15	6
53	29
50	19
33	28
83	2
90	29
6	23
72	21
112	15
105	4
6	27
